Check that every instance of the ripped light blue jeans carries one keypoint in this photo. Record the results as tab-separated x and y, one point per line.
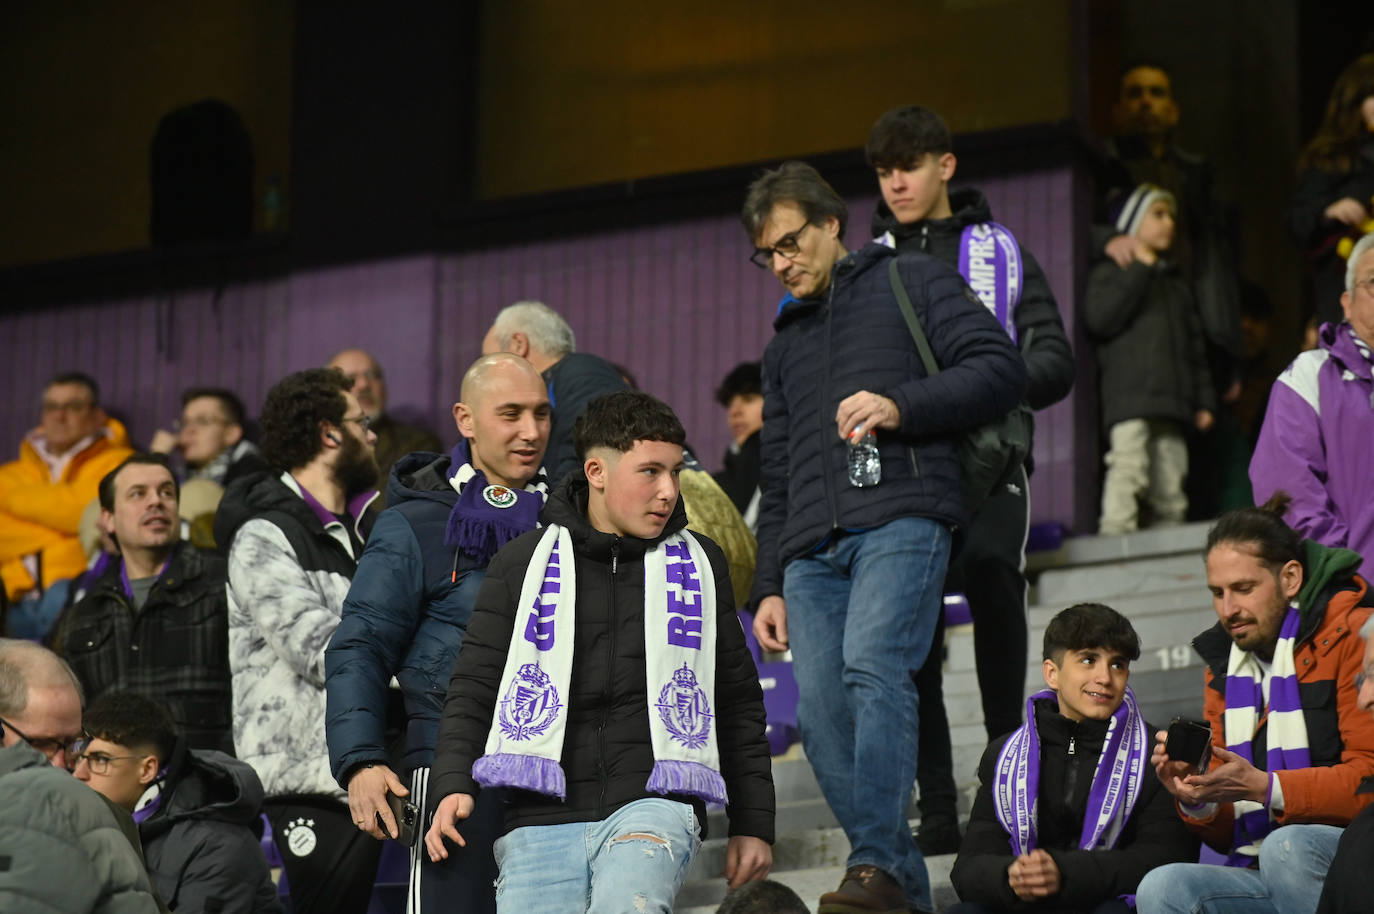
633	861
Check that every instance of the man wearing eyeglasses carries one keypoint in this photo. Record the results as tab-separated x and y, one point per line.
156	621
196	811
1318	427
294	536
43	493
395	439
849	576
210	437
65	848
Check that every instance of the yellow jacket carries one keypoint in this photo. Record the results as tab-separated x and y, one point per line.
40	516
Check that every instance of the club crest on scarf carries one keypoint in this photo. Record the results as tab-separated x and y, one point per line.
685	710
499	496
530	705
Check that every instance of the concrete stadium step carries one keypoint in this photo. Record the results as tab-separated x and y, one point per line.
1060	587
1097	550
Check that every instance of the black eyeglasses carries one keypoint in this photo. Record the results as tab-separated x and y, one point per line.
364	422
98	762
50	746
787	246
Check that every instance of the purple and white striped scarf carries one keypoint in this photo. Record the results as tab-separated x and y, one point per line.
525	744
1117	780
1286	738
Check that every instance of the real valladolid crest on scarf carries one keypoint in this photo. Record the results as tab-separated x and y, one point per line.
525	742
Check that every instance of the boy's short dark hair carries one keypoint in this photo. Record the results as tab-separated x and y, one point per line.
620	419
132	720
228	401
796	183
744	380
902	137
293	411
106	489
1088	625
763	897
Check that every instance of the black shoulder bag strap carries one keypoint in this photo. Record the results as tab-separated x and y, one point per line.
912	322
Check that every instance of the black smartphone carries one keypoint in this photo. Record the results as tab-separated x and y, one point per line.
407	816
1189	741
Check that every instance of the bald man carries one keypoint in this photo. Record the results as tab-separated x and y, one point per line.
409	605
66	848
394	439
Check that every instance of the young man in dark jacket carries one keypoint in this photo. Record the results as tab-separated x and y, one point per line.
200	830
410	603
849	576
911	150
156	622
607	677
1068	817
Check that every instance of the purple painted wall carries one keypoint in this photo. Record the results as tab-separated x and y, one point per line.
677	304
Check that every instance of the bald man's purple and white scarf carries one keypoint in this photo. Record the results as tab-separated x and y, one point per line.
486	517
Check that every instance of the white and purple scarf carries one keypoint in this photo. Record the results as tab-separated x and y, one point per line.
486	517
525	743
1117	780
1286	739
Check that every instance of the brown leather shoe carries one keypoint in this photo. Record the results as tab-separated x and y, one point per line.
865	889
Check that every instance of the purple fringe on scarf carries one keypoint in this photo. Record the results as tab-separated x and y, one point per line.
691	778
481	536
528	772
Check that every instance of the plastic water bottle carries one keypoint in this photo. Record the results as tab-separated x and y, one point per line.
865	469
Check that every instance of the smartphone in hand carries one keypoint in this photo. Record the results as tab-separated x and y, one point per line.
1190	742
407	816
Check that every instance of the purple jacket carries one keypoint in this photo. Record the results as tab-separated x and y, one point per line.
1317	441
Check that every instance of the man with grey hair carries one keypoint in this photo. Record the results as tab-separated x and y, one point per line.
1350	880
64	846
536	332
1315	439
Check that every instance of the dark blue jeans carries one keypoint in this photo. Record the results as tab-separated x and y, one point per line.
860	617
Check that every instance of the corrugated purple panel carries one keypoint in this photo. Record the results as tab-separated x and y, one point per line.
144	352
678	305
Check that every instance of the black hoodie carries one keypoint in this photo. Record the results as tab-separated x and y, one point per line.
607	754
202	843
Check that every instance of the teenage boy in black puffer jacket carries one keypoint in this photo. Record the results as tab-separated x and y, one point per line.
606	674
911	151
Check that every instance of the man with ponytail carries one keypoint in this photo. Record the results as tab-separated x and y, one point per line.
1289	743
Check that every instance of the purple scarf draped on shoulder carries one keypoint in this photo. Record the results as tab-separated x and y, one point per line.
486	517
